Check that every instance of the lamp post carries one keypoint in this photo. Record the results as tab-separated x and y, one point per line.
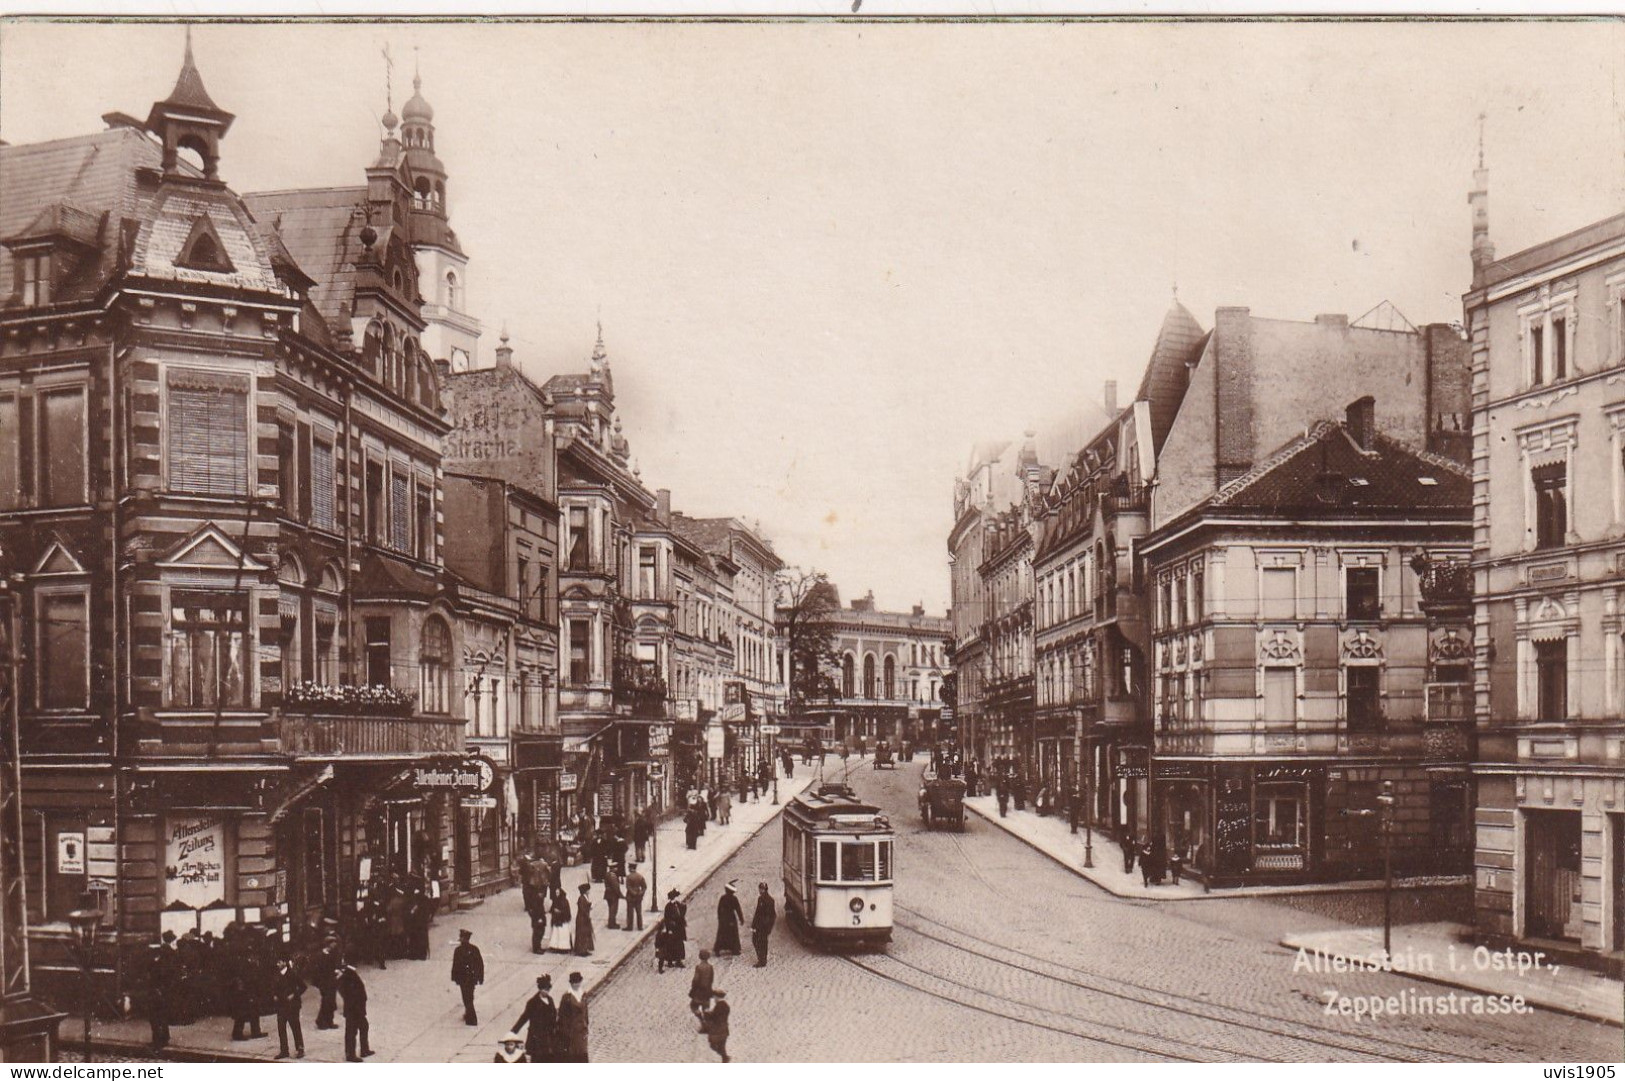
1088	811
85	922
1386	822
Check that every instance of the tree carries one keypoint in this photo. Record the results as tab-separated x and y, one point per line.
807	601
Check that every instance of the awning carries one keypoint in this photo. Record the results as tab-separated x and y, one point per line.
579	743
304	789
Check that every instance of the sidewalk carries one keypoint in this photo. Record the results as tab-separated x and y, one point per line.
1444	953
1053	837
415	1011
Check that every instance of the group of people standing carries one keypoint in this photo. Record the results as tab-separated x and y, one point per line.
554	1032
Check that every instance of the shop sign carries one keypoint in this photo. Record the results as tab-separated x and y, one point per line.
733	713
479	803
686	709
716	744
544	814
194	861
770	730
70	853
1180	769
659	738
567	782
1285	773
606	798
472	777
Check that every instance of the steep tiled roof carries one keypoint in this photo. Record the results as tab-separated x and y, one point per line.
1179	343
1324	469
318	228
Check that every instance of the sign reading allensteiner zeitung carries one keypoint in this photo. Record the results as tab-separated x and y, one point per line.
471	777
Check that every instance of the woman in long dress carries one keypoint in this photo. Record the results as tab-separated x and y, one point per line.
729	917
560	941
584	943
674	931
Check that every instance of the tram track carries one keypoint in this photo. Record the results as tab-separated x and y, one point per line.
1113	987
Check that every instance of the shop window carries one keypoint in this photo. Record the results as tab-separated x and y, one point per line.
1362	587
208	433
1364	701
1552	680
1278	816
1551	504
208	650
378	652
435	659
62	659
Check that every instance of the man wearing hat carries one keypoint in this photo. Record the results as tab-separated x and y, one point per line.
699	988
467	971
572	1031
542	1017
287	991
354	992
716	1024
160	976
729	916
636	888
761	923
325	977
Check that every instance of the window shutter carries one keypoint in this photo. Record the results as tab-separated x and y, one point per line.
321	485
208	433
302	452
400	525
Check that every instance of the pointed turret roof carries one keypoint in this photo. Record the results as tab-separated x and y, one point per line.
1167	374
189	90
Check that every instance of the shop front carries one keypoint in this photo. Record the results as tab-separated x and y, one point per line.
1185	796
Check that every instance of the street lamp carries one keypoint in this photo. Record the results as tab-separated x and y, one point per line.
1088	811
85	922
1386	823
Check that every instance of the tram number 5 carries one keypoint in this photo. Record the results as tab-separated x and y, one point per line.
856	905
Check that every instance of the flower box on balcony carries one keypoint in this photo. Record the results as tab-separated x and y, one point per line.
345	699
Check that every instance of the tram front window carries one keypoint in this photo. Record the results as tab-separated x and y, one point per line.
885	861
826	861
858	862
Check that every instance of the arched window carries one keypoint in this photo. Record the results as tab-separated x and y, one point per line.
847	688
869	675
452	293
422	193
435	666
440	193
891	676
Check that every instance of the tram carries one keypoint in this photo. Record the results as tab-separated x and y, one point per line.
838	868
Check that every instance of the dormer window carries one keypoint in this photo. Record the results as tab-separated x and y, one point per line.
203	249
34	278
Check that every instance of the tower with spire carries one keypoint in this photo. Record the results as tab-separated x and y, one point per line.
190	120
1479	200
452	334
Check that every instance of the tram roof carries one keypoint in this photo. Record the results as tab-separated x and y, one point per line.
829	800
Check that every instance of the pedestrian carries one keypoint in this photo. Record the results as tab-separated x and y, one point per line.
636	889
419	915
244	987
395	909
713	804
1176	865
324	977
691	827
511	1049
729	916
583	940
600	855
1002	790
542	1016
160	988
671	943
1159	858
562	917
1125	840
538	909
699	987
354	992
725	805
573	1026
612	898
467	972
715	1024
642	830
761	923
288	991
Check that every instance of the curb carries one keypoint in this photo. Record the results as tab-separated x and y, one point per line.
141	1052
1434	978
1235	893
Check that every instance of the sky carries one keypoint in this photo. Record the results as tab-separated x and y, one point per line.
830	257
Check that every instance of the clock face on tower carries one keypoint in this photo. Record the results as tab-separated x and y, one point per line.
459	360
487	775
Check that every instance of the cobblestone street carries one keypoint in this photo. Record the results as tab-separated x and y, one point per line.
1000	954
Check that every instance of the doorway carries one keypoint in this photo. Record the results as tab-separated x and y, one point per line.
1552	879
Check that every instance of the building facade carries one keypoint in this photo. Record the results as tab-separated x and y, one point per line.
890	674
1548	384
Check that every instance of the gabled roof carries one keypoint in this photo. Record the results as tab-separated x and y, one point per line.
318	230
1325	472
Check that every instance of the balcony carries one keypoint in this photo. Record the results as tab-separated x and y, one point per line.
319	735
639	687
1446	585
1449	703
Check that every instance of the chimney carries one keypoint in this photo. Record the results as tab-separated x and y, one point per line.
919	610
1337	320
663	506
1233	393
1361	421
1111	397
504	352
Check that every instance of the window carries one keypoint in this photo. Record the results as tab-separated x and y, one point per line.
375	502
869	676
1361	586
435	663
8	454
425	522
577	541
208	650
521	583
1551	504
286	478
1560	348
62	657
327	653
400	519
885	861
827	868
1552	680
646	573
378	653
580	651
208	433
1278	815
323	493
858	861
1281	696
890	677
62	448
847	688
1279	598
1364	703
452	298
34	278
1537	354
